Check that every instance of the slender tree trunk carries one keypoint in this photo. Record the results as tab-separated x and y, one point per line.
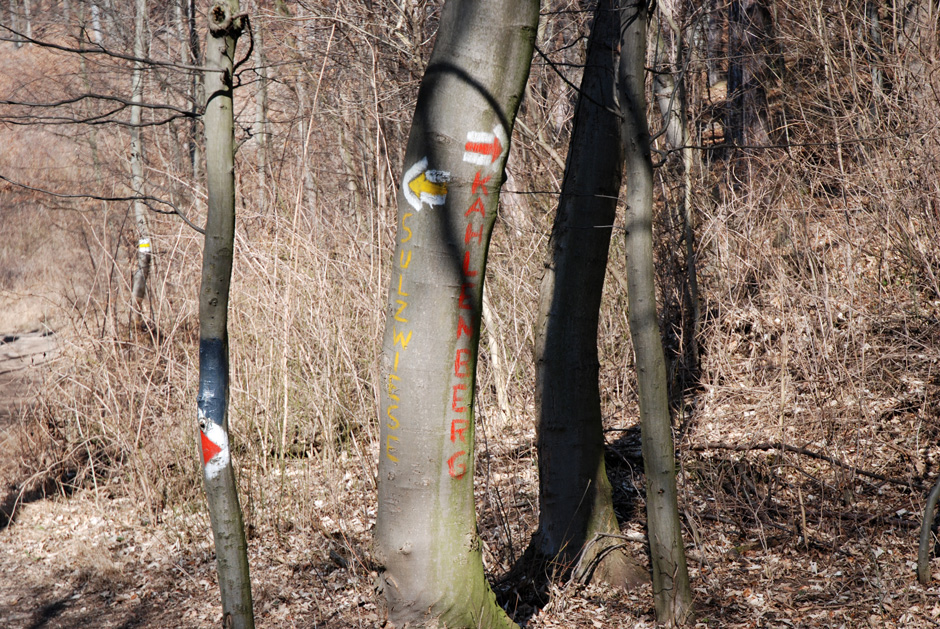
195	88
27	18
426	537
144	245
261	116
15	24
303	129
670	94
671	591
874	55
734	116
221	490
575	503
96	23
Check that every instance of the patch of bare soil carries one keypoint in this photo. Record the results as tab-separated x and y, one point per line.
20	357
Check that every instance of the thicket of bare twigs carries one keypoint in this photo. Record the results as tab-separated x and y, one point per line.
807	425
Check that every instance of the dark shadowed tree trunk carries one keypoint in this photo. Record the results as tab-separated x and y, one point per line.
750	33
575	506
426	535
671	591
221	490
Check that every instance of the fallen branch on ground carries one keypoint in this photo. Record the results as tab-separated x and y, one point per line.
797	450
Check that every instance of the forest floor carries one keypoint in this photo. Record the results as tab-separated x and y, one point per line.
92	559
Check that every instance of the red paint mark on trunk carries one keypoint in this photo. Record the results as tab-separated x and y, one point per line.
209	448
494	149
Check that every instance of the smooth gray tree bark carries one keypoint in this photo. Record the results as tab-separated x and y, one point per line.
144	244
426	536
576	510
671	591
221	490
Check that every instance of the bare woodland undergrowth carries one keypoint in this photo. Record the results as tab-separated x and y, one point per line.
807	437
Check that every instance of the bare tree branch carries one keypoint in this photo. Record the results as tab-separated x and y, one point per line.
106	97
97	49
797	450
145	198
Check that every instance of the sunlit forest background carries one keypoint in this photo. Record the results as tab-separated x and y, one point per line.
803	360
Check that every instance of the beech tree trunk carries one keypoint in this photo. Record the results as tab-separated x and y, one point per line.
221	490
426	536
144	245
575	504
671	592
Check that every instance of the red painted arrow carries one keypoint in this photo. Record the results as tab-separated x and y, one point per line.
494	149
209	448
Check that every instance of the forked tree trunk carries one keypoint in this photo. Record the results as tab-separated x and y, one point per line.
426	536
221	490
671	592
575	505
144	245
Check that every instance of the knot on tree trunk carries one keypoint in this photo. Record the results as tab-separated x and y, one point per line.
222	22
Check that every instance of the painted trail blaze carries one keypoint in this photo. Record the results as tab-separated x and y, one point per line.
209	448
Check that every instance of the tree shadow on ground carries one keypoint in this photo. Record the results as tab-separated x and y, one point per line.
78	606
17	494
